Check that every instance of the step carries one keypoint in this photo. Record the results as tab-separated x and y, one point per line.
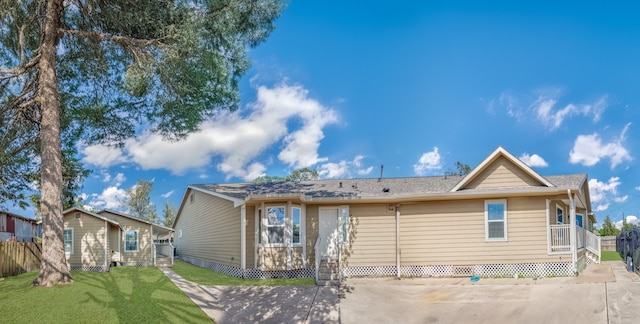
328	283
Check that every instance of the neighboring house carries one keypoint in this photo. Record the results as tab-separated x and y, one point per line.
501	219
17	228
96	241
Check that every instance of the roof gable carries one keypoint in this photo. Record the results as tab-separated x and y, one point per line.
501	170
75	209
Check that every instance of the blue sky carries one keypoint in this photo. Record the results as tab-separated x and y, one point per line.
347	86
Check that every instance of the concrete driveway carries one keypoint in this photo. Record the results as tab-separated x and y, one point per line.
603	293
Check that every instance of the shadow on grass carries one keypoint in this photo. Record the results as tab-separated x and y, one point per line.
126	295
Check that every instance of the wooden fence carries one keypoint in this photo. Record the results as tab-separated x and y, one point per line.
608	243
19	257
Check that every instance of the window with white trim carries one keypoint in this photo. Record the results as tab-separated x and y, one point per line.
579	218
296	224
559	215
281	226
68	241
495	212
131	241
275	225
344	225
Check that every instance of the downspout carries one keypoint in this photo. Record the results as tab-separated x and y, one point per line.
572	233
106	243
398	241
153	246
243	238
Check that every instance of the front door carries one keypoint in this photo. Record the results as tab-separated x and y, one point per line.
328	247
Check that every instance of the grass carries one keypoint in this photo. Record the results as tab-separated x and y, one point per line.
207	277
610	256
123	295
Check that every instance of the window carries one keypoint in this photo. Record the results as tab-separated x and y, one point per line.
495	220
131	241
579	220
275	225
281	226
296	214
344	224
559	218
68	241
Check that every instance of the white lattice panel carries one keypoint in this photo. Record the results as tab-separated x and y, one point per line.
552	269
88	268
250	273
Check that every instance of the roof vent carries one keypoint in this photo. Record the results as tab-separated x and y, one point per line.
340	184
354	186
385	189
381	170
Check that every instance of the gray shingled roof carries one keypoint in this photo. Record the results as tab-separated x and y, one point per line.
362	188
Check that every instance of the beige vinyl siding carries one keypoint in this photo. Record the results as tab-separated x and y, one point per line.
275	258
145	241
372	236
251	235
88	240
453	233
502	174
114	249
312	233
210	229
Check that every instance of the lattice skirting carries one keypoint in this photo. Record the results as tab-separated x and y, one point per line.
90	268
136	264
250	273
552	269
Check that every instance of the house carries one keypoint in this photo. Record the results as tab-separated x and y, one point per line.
97	241
17	228
500	219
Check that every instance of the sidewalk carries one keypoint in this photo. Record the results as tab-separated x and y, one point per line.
262	304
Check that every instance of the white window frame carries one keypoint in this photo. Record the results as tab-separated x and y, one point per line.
63	239
344	224
487	221
558	207
263	226
581	216
137	241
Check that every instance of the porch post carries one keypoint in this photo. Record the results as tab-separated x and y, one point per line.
243	237
548	227
106	243
398	241
573	232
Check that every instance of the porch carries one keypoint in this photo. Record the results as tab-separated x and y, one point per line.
560	241
163	255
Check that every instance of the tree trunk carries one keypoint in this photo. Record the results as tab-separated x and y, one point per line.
53	269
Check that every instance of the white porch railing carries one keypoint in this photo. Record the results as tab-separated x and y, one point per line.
580	237
560	238
163	250
593	244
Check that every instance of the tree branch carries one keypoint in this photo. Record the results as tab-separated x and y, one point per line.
122	40
21	69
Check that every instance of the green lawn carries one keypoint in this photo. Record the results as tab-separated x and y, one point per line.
610	256
123	295
211	278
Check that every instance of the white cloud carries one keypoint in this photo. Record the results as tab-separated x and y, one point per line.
542	105
638	188
168	194
534	160
428	162
119	179
602	193
102	156
237	137
631	219
364	171
110	198
621	199
333	170
588	150
344	168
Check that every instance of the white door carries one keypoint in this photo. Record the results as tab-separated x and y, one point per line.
328	247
